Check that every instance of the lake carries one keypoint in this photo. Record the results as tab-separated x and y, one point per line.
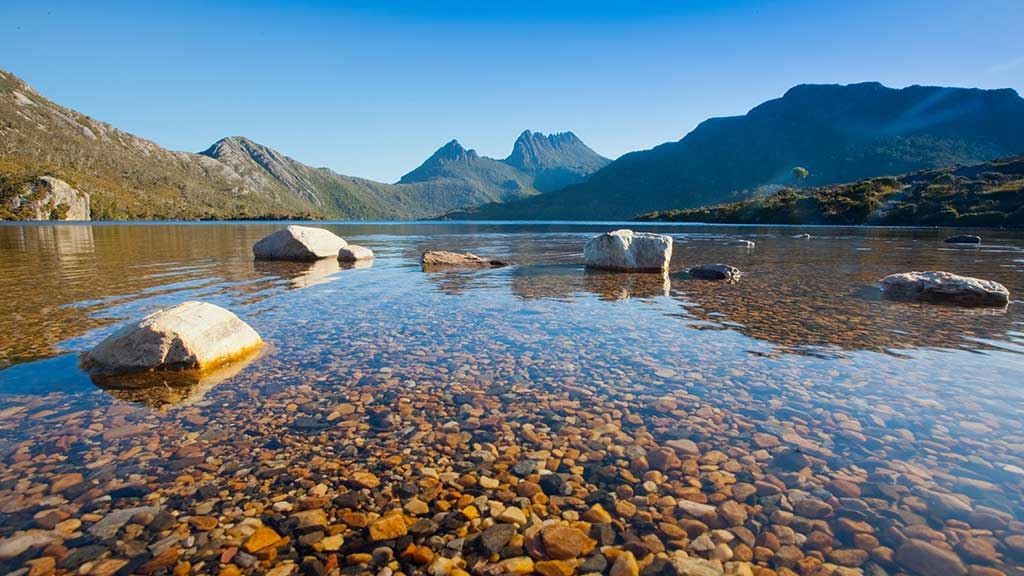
794	420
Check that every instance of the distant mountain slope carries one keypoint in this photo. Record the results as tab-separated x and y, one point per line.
128	177
987	194
327	192
839	133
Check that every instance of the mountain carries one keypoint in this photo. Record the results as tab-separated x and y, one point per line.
986	194
556	160
128	177
326	192
538	164
478	178
838	133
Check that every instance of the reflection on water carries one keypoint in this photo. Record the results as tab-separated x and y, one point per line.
565	281
898	421
299	274
165	389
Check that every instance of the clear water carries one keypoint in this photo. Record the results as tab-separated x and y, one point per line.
913	403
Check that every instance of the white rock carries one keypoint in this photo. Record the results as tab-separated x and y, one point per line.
629	251
695	508
741	243
353	253
13	546
934	286
191	335
299	243
802	236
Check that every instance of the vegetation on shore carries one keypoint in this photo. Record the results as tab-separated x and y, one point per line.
988	194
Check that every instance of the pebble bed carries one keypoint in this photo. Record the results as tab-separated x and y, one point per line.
533	419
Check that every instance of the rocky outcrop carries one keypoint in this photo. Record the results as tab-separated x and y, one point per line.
47	198
715	272
963	239
625	250
945	287
189	336
354	253
300	243
441	258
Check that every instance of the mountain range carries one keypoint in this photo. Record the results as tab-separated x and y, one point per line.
834	133
128	177
837	133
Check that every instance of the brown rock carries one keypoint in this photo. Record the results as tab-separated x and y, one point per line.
203	523
263	537
923	558
978	550
625	565
597	515
554	567
388	527
439	258
364	479
563	542
851	557
732	512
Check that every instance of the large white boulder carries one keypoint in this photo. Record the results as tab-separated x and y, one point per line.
189	336
299	243
945	287
629	251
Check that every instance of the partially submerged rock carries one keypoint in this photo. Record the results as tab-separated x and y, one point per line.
935	286
189	336
741	243
715	272
802	236
625	250
963	239
299	243
441	258
354	253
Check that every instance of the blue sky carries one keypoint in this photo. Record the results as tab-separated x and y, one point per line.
372	88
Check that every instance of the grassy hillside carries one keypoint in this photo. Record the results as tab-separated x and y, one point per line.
987	194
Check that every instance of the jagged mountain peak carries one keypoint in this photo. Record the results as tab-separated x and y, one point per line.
537	151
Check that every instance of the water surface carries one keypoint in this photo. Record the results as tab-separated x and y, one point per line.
391	369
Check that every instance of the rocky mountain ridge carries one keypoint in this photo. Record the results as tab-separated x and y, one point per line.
839	133
128	177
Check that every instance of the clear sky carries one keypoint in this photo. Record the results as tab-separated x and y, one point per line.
373	88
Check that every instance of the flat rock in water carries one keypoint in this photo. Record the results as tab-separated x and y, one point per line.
963	239
628	251
190	336
441	258
715	272
945	287
741	243
301	243
354	253
802	236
